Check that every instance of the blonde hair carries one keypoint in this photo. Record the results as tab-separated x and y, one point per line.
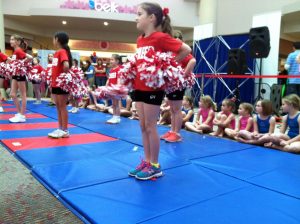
292	99
248	107
190	100
207	101
267	107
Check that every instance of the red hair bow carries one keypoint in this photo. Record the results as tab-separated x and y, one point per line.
166	11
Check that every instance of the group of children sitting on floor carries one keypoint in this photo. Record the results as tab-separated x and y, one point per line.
250	128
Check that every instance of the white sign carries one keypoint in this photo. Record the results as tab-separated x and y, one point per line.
106	6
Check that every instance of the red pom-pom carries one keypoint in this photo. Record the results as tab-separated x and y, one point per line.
35	76
111	92
20	67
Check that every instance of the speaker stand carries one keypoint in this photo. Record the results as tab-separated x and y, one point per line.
259	96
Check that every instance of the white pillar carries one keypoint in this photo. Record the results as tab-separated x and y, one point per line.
208	13
2	36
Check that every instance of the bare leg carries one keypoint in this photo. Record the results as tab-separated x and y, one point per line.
13	94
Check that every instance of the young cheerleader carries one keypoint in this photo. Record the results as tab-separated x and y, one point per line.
3	59
18	81
245	121
115	62
207	113
263	123
287	142
175	100
73	100
151	19
62	61
225	119
37	69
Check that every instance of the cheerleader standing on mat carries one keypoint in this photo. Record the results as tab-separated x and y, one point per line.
37	69
62	61
3	59
19	81
175	101
115	61
154	22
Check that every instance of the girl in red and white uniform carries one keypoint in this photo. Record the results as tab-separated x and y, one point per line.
36	79
19	80
62	62
115	62
154	23
3	59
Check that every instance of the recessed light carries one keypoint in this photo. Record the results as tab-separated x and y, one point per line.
106	23
64	22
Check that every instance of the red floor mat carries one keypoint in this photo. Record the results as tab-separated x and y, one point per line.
46	142
29	126
28	116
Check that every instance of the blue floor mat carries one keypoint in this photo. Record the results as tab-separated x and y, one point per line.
37	133
245	206
250	163
285	179
132	201
95	168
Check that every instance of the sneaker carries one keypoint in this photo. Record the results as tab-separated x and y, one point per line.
18	118
114	120
173	137
59	134
149	172
51	103
71	110
37	102
166	135
75	110
139	168
1	109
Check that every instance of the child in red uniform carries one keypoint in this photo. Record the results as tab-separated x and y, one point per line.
3	59
61	63
175	100
115	61
151	20
37	69
18	81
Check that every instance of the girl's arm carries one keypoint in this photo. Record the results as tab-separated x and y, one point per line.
272	125
28	57
284	125
183	52
228	120
66	66
210	117
238	126
100	70
255	126
190	66
249	124
188	116
297	138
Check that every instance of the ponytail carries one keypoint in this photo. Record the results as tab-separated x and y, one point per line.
23	44
166	25
67	48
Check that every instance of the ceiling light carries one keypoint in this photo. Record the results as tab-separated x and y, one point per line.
64	22
105	23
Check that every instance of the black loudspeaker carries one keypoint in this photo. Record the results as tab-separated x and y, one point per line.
276	97
259	44
237	63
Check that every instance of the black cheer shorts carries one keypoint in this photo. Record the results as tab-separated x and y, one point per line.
58	91
149	97
19	78
176	95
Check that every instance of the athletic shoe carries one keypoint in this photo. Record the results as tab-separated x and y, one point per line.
173	137
75	110
59	134
139	168
71	110
1	109
53	133
18	118
166	135
149	172
114	120
37	102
